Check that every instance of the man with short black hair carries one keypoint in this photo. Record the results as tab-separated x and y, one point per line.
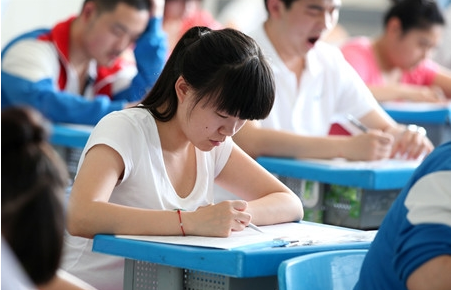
78	71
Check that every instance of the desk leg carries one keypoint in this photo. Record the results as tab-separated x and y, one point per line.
141	275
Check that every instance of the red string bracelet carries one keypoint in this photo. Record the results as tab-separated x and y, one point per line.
179	212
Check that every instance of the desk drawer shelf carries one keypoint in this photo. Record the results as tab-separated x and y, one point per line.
71	157
311	194
357	208
344	206
141	275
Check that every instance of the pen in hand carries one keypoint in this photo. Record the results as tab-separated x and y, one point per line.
254	227
357	123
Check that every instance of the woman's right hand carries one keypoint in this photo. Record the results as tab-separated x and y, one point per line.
217	220
373	145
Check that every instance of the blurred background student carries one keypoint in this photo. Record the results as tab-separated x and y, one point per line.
34	180
315	88
249	15
80	69
181	15
87	65
397	65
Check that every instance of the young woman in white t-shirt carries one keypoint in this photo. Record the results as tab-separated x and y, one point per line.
141	165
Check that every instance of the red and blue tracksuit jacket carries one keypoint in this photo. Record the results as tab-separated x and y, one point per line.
36	72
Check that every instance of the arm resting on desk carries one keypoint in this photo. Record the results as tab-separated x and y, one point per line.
257	141
90	212
411	93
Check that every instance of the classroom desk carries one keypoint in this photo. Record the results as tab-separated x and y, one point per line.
69	141
70	135
436	119
376	186
168	266
377	177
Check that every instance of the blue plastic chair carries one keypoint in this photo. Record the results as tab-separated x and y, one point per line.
331	270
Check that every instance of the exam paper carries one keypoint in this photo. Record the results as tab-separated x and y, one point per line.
384	163
415	106
288	234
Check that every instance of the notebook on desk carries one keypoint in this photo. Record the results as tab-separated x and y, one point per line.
286	234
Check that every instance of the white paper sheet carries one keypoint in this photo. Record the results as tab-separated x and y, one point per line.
385	163
287	234
415	106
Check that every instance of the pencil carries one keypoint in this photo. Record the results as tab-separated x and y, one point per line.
357	123
254	227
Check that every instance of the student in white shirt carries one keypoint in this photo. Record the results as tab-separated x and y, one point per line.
142	164
316	87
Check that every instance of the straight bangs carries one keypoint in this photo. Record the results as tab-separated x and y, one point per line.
245	90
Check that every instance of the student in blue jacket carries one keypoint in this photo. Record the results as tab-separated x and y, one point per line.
77	71
412	249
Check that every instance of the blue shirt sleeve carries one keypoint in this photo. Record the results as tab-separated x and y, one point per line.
150	54
57	106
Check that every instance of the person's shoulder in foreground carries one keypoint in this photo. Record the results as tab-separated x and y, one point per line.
412	249
79	70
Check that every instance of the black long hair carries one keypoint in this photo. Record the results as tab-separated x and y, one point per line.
226	69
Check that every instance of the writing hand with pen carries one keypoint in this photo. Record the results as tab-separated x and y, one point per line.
369	146
372	144
406	142
217	220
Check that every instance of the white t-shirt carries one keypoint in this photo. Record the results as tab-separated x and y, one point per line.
14	276
330	89
134	135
